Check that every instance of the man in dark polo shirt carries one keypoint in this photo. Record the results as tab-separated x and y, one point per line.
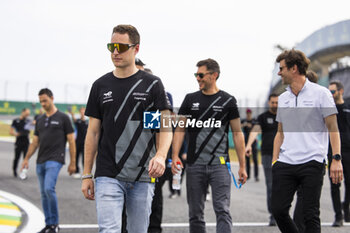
52	131
343	120
267	125
20	129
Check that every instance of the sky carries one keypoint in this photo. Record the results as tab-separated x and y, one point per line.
62	44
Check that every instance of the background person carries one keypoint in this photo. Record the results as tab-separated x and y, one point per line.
20	129
267	126
52	131
81	126
343	119
247	125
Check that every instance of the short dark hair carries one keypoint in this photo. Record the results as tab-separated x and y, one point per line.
24	109
312	76
339	85
295	57
132	32
46	91
138	62
272	95
211	65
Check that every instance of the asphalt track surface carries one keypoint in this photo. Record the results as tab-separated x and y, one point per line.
248	205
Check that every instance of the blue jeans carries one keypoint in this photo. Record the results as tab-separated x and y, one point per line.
198	178
110	196
47	174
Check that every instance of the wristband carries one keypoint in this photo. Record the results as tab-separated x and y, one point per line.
87	176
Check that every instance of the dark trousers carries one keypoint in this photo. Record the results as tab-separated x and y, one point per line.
266	162
286	179
335	188
255	161
19	148
197	179
298	215
157	203
79	151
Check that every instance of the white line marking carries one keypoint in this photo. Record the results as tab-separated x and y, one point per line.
9	212
176	225
7	229
36	219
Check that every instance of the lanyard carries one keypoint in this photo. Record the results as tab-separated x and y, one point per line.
238	186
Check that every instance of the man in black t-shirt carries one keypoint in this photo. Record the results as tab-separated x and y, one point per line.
20	128
52	130
267	126
247	125
127	158
81	126
207	115
343	119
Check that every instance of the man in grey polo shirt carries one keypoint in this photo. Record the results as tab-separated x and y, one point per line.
306	113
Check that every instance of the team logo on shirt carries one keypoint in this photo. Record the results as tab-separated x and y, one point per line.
195	106
151	120
107	95
270	121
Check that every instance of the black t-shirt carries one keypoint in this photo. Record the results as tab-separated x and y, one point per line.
343	119
207	144
269	125
125	147
247	129
22	127
52	132
81	126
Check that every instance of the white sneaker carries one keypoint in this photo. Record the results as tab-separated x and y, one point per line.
208	197
76	176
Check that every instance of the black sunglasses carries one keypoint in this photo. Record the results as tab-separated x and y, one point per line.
333	91
121	48
201	75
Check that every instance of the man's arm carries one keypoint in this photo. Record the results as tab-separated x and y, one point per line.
13	132
72	115
32	148
252	136
277	143
336	169
157	163
238	139
178	139
72	153
90	150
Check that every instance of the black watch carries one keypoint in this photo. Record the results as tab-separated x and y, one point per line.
336	157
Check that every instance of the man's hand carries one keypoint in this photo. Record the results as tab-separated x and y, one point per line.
156	166
87	187
242	174
25	164
336	171
174	162
248	151
71	168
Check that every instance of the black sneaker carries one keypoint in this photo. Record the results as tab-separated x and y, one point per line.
53	229
338	223
272	221
45	229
